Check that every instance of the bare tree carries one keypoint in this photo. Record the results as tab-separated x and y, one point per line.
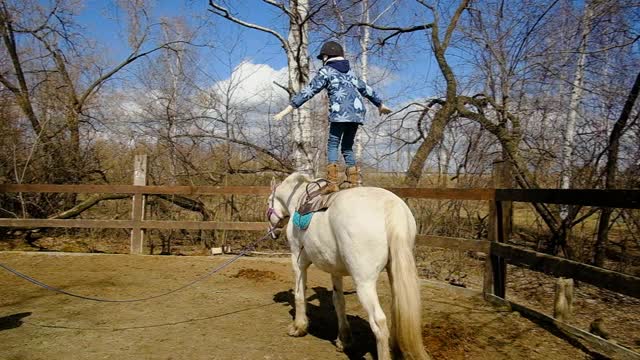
611	169
295	45
49	28
492	111
53	77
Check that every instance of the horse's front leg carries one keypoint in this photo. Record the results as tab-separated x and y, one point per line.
300	322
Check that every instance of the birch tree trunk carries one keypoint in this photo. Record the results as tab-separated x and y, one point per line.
364	65
305	153
175	70
576	98
443	165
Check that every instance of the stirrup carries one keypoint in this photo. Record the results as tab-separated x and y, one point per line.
345	185
320	187
329	188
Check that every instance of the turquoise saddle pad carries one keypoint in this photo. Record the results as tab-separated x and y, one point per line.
302	221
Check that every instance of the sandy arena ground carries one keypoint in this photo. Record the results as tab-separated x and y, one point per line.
240	313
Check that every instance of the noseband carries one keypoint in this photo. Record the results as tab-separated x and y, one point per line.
275	230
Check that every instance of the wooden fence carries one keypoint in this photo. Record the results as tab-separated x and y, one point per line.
496	246
499	252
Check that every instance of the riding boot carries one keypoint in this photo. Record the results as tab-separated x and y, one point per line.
353	176
332	178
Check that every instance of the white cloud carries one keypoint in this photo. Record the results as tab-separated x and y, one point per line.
251	85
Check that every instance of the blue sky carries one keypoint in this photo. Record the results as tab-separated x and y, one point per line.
107	25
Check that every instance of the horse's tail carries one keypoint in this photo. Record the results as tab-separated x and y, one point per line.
406	324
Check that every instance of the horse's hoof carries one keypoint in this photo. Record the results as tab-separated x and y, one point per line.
344	344
342	347
296	331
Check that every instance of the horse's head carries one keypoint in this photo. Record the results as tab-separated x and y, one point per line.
277	213
279	200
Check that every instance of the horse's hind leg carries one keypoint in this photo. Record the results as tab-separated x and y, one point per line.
344	331
377	320
300	322
393	343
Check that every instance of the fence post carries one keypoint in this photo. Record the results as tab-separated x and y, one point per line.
563	302
500	221
137	214
498	263
488	285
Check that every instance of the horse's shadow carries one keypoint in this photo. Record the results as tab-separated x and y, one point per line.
323	322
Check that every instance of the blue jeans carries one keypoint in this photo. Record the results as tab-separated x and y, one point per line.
345	131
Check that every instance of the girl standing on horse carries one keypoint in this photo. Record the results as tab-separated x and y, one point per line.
346	109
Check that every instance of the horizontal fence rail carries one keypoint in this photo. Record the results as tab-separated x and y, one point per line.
561	267
626	199
136	189
445	194
125	224
452	243
418	193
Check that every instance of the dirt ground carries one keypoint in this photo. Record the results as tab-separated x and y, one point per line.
620	315
240	313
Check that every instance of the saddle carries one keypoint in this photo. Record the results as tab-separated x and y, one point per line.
313	201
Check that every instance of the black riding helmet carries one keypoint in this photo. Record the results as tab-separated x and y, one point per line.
330	49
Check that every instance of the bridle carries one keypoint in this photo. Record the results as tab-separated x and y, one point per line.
275	230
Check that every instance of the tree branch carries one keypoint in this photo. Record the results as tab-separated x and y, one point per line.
14	89
188	204
280	6
22	95
454	22
59	60
396	29
87	204
259	149
223	12
313	13
524	41
133	57
283	88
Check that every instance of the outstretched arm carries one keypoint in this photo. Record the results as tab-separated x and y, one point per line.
318	83
368	92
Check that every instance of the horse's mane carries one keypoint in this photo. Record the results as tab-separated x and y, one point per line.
298	177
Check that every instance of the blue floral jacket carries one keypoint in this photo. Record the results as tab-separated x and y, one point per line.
345	92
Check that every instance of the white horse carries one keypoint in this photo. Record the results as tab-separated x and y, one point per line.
364	231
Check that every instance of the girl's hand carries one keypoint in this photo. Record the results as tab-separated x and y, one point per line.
283	113
383	110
